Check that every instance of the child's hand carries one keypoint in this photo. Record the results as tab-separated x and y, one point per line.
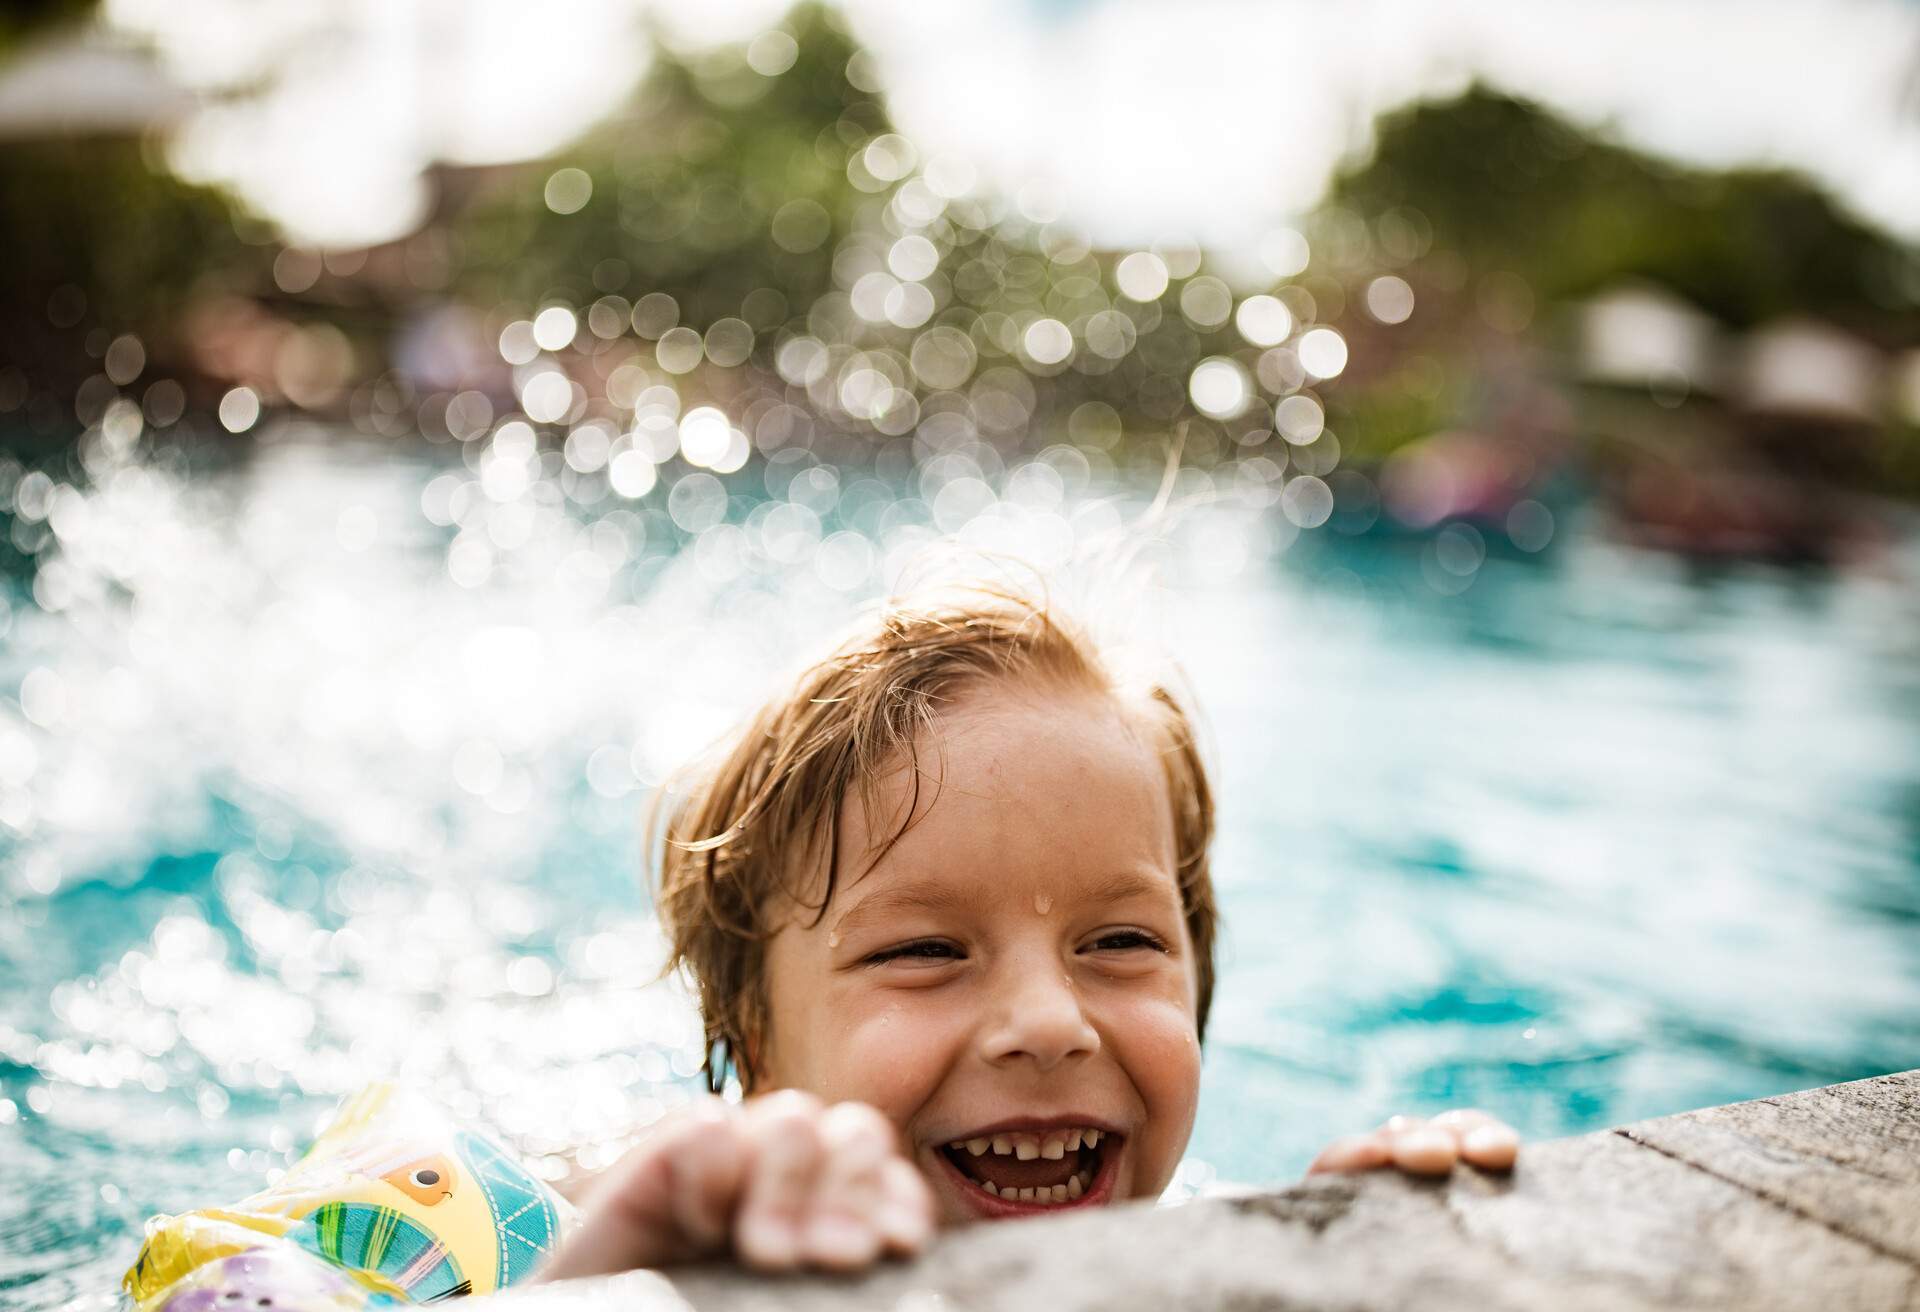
1421	1147
780	1181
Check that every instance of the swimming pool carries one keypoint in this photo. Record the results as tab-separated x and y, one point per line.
327	767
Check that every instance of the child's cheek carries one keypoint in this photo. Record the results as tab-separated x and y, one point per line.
1159	1048
892	1054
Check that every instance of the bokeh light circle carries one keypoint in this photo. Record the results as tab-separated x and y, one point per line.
1306	501
239	409
1263	320
1530	525
568	190
1206	302
772	53
679	350
1299	418
631	474
1220	387
1390	299
1323	352
1141	276
555	327
704	436
913	257
1047	341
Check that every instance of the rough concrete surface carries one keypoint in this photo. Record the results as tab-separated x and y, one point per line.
1806	1201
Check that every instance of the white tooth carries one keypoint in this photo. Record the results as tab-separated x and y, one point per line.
1092	1138
1075	1188
1002	1144
1073	1141
1026	1196
1054	1148
991	1188
1059	1193
1026	1150
978	1146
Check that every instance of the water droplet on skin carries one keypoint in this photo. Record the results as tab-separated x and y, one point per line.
1042	903
833	939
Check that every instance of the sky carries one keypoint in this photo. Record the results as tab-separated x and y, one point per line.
1136	119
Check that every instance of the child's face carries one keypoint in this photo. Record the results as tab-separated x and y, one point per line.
1015	969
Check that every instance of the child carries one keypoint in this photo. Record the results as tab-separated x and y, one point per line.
948	908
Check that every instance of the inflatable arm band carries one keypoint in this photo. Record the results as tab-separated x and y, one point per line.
393	1204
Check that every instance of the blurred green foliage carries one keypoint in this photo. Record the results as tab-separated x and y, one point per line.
1419	398
734	183
686	184
98	214
21	19
1512	186
1506	187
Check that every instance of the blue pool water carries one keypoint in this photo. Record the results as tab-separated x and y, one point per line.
328	768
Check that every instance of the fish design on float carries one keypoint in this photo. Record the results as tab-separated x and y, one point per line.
406	1205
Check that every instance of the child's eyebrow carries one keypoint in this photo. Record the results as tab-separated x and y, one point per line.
931	895
921	895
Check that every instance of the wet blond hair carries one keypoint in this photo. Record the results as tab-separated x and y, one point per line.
742	837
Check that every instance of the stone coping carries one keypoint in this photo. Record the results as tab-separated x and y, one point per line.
1811	1201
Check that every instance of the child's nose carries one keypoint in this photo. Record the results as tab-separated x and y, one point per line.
1039	1019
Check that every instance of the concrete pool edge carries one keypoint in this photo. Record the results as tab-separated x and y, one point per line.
1810	1200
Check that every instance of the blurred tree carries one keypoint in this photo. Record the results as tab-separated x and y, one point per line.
20	19
98	238
688	182
1512	186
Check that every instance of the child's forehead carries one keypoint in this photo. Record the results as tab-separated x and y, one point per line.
1009	793
1022	746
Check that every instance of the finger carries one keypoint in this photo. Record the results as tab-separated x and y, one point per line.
1424	1150
706	1169
1493	1147
842	1229
1357	1152
1462	1120
783	1136
906	1212
1484	1140
630	1219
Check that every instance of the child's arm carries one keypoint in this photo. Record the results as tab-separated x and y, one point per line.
1422	1147
780	1181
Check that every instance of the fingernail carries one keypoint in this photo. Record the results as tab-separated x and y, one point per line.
835	1236
1425	1151
769	1239
908	1224
1493	1141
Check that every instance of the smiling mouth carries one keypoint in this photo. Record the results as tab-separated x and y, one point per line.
1034	1170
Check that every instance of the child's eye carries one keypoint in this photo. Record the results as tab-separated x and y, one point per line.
1122	940
926	949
